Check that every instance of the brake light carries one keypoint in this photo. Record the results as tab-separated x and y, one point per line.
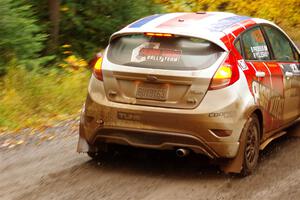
159	34
226	75
97	69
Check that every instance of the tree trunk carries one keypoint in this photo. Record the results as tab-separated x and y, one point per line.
54	16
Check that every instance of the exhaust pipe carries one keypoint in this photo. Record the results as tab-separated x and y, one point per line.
182	152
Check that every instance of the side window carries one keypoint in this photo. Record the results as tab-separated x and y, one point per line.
237	45
297	55
281	46
254	45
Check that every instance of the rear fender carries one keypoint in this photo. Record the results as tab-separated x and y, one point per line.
235	165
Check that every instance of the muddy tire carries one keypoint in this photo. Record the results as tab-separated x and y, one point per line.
252	142
93	155
99	151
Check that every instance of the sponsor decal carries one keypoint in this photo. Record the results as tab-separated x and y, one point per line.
160	55
290	67
229	114
295	68
291	85
260	51
128	116
269	100
242	64
272	65
150	51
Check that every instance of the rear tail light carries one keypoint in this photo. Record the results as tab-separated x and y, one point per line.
97	67
226	75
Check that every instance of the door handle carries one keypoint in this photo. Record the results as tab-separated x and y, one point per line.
260	74
289	74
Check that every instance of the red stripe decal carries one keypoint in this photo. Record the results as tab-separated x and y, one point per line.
248	23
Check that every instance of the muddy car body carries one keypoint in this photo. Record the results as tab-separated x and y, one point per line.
213	83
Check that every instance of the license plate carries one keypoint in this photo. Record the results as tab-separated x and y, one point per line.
152	92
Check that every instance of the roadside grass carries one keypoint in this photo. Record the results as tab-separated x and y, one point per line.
32	99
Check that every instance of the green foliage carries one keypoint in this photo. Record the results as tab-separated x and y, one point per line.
34	98
20	38
285	13
30	97
87	25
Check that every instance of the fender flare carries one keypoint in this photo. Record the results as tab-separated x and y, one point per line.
235	165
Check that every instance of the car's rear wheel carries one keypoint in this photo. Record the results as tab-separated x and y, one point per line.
251	150
99	151
93	155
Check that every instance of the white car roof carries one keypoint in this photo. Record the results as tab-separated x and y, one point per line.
211	26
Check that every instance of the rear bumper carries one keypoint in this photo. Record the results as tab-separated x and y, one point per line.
169	128
159	140
152	128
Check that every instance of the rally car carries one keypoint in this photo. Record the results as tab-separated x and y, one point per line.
211	83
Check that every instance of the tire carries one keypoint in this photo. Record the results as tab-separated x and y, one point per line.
100	151
252	142
93	155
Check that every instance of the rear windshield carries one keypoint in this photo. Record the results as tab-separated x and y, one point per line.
175	53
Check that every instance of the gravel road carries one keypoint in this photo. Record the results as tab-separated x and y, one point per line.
44	165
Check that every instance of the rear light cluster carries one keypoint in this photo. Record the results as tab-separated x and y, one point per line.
226	75
96	64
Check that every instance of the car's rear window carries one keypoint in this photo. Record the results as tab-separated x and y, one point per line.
175	53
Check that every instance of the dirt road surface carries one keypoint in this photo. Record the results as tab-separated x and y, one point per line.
45	165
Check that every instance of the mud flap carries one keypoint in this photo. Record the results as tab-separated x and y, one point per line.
235	165
82	146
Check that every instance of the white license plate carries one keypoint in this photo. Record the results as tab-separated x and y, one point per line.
152	91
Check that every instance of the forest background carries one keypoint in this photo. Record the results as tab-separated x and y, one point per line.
45	47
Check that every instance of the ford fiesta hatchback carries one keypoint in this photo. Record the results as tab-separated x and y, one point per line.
211	83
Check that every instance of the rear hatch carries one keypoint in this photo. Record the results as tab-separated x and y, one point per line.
160	70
